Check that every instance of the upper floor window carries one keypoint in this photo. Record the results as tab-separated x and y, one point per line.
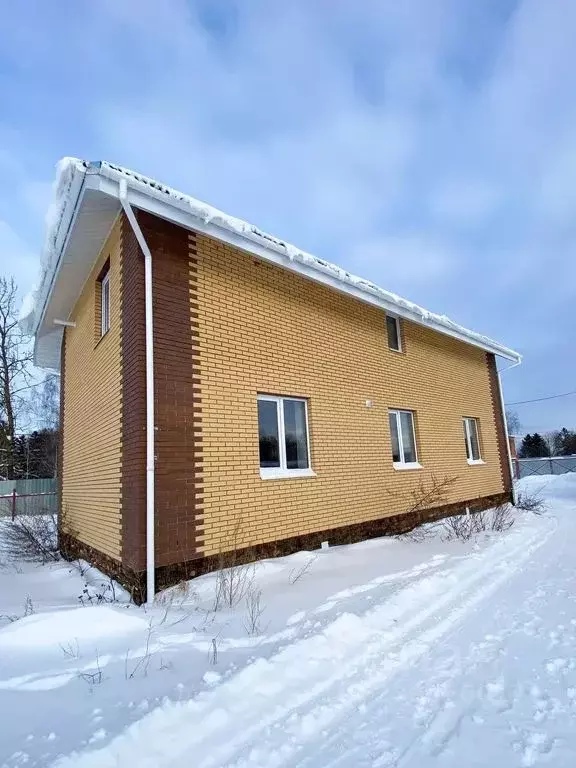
105	303
404	455
393	329
472	440
283	436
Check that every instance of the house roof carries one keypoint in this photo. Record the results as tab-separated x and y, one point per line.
86	204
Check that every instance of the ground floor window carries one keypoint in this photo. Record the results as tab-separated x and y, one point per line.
403	437
283	436
472	440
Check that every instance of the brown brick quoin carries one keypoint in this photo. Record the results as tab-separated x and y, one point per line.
135	582
178	492
133	387
499	419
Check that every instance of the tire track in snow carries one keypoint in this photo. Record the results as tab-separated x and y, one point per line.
283	703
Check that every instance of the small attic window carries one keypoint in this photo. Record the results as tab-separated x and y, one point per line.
393	330
104	296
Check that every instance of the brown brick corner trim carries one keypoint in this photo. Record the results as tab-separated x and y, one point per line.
499	421
177	403
135	582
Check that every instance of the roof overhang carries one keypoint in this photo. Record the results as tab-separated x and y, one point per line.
91	206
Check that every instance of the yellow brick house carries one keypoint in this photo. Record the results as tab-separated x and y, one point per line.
224	391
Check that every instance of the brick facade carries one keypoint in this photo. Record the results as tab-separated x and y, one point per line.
228	326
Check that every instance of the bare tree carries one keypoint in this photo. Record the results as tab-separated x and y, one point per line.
513	422
15	365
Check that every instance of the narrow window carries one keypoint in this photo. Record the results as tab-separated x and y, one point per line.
105	303
472	441
393	329
283	436
404	455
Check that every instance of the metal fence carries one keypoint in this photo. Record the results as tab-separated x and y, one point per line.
556	465
28	497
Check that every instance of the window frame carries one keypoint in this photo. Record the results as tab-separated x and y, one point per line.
281	472
105	304
396	320
402	464
468	440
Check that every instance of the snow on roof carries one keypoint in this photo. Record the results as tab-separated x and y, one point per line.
62	208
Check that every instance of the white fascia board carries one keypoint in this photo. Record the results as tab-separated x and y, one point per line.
65	227
178	211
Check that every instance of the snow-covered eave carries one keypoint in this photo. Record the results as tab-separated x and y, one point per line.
191	213
149	195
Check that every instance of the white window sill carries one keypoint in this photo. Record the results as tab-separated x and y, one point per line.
398	351
472	462
404	465
283	474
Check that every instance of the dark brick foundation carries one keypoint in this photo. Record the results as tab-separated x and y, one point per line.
135	582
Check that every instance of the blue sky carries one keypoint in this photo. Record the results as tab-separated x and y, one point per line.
428	145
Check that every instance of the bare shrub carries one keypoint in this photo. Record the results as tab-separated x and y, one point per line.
96	594
464	527
141	666
28	611
234	577
502	518
531	502
233	583
213	654
425	496
93	678
31	538
254	611
297	573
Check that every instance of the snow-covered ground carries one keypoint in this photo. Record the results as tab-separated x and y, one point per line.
387	653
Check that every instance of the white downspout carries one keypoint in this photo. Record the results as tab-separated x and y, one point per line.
503	408
150	554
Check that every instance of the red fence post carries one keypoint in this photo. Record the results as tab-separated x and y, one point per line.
14	504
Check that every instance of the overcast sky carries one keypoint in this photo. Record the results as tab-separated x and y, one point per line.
429	145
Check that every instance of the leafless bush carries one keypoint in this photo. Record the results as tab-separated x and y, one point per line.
464	527
428	495
213	655
31	538
233	583
93	678
297	573
254	611
234	578
71	650
531	502
142	664
28	611
97	594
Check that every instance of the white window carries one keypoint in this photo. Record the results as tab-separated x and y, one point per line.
283	436
472	441
105	304
393	329
404	454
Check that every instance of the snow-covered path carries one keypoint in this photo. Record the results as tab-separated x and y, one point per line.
467	660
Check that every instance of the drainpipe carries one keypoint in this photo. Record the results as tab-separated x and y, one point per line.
503	407
150	554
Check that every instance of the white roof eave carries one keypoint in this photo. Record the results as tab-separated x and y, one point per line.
193	214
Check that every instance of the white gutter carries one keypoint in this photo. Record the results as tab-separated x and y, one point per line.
150	553
503	408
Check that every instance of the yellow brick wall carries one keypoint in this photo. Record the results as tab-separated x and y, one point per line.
92	414
264	329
